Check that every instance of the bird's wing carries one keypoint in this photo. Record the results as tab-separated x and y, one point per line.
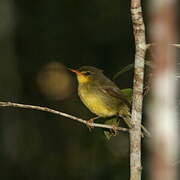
116	92
128	93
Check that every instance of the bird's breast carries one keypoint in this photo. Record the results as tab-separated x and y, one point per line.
96	102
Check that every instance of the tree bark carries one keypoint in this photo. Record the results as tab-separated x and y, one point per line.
135	133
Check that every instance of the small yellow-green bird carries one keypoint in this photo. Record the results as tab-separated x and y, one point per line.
101	96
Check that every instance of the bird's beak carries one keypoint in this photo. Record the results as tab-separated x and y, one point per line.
75	71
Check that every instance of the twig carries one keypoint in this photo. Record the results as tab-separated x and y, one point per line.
175	45
135	132
46	109
154	44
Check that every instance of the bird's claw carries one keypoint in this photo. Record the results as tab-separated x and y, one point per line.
90	124
114	130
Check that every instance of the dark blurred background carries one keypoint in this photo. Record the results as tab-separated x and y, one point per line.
38	39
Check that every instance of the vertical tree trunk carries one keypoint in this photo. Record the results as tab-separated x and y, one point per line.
162	109
135	133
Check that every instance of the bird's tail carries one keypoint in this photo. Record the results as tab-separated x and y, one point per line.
127	120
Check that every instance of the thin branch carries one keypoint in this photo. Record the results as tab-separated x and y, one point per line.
154	44
175	45
135	132
46	109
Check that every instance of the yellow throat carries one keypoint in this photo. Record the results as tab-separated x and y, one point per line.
82	79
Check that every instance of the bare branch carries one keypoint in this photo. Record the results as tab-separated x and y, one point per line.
175	45
46	109
153	44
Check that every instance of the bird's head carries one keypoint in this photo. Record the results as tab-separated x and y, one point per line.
87	73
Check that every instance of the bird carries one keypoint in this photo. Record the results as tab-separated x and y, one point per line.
101	95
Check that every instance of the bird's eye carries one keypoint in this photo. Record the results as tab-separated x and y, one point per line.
87	73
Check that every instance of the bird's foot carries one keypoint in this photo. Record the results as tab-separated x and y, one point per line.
90	123
114	130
